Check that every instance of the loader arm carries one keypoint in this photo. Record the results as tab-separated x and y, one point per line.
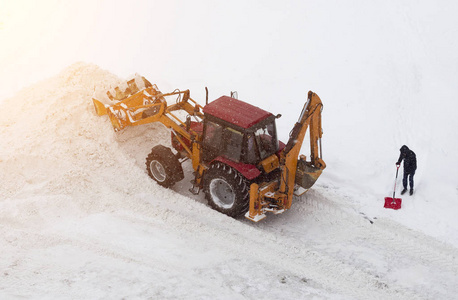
310	118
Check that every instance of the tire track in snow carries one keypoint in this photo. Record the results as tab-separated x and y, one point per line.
282	253
396	242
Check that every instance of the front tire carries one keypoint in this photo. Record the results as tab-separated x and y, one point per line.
226	190
163	166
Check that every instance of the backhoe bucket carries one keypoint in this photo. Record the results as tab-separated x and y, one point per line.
306	174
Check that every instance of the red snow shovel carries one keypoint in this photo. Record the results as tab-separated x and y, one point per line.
394	203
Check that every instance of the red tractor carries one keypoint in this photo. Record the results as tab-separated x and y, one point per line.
238	160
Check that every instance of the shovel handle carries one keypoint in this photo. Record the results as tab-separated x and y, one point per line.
394	192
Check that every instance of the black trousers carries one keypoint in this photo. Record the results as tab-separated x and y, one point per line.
404	180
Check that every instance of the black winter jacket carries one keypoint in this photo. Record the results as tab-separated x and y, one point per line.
410	160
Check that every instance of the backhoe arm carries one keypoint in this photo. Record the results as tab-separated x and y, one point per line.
310	118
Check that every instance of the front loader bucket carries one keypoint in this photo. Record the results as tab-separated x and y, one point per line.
132	103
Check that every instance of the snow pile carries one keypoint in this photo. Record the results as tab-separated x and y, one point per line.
54	144
58	158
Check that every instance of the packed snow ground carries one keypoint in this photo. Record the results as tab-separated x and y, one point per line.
80	218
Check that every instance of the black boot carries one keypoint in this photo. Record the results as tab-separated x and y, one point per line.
403	191
411	192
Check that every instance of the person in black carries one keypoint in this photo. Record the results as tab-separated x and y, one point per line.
410	165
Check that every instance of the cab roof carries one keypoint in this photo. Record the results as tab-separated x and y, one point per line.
236	112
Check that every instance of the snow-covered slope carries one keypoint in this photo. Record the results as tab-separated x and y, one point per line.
79	218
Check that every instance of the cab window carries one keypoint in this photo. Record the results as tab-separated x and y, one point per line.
266	140
224	141
261	143
233	144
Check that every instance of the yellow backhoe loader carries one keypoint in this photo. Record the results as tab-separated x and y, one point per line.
238	161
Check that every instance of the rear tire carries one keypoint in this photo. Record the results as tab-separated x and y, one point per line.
226	190
163	166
